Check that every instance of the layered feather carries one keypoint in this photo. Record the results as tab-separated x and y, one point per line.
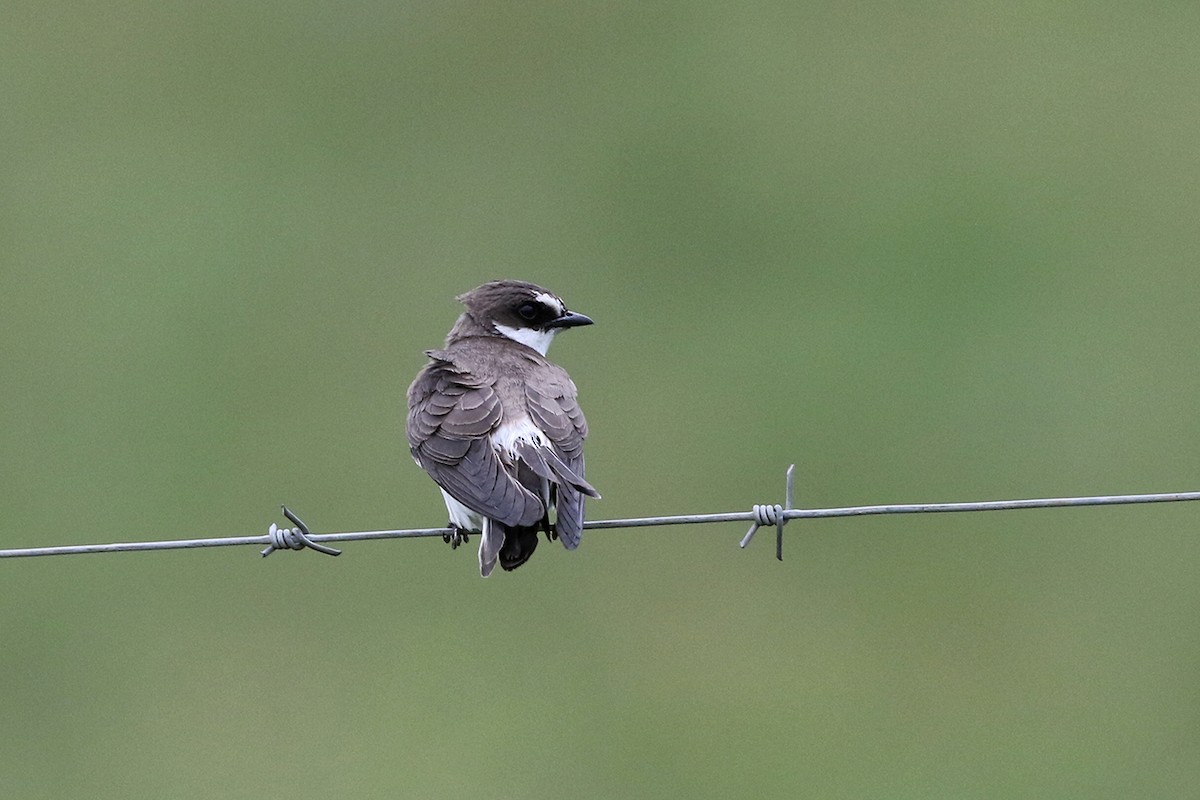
457	407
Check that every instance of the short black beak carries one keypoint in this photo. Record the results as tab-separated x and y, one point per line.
570	320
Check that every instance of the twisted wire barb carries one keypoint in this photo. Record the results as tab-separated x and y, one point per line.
294	538
773	515
299	537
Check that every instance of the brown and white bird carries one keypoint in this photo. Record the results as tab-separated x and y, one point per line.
498	427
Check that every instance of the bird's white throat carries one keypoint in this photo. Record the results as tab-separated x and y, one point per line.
530	337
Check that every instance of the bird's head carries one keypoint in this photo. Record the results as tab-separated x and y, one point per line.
524	312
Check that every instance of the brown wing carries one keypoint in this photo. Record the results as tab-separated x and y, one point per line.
451	415
555	409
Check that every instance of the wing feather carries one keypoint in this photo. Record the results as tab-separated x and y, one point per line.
450	418
568	516
554	408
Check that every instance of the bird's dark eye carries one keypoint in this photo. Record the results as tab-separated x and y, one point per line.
528	311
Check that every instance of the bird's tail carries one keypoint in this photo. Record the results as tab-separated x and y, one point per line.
519	544
490	544
511	546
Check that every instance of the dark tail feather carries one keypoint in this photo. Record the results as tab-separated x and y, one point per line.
519	544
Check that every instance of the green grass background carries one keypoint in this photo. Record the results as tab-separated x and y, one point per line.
927	251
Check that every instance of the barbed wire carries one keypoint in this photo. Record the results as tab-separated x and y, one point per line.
300	537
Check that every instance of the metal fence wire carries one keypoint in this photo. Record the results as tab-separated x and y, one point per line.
299	537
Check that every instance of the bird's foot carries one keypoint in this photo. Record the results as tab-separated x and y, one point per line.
551	533
455	536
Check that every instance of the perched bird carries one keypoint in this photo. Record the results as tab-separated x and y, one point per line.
498	428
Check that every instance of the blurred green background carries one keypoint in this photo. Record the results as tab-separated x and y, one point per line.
927	251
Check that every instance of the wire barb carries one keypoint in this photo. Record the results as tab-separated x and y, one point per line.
768	515
294	538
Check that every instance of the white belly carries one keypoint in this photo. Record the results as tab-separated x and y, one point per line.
462	516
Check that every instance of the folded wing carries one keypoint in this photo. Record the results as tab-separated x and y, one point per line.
554	408
450	419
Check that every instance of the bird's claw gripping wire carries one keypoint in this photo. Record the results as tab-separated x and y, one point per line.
294	538
773	515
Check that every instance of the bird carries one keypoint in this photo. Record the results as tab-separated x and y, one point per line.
498	426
